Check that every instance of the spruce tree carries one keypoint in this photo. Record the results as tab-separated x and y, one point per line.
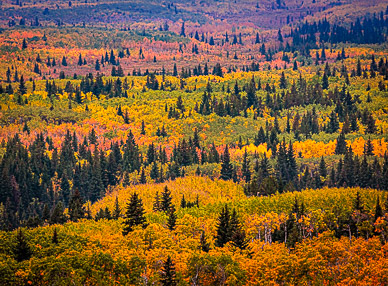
223	227
57	215
55	236
226	166
204	245
135	214
358	205
291	162
22	250
322	168
333	125
142	132
378	210
76	209
156	204
236	233
341	146
283	81
325	81
183	202
116	211
368	148
246	172
24	45
22	86
171	220
166	200
167	275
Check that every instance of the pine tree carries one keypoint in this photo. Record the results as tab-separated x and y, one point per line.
166	200
116	211
22	250
80	61
135	214
204	245
291	163
76	209
183	30
183	202
322	168
97	67
64	62
167	275
24	45
246	172
142	132
26	128
226	167
236	233
283	81
368	148
280	37
257	40
358	205
325	81
341	146
378	210
22	86
171	220
57	215
223	227
156	204
55	236
333	123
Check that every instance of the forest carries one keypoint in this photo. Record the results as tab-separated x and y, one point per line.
193	143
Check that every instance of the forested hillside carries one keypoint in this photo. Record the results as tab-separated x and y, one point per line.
193	143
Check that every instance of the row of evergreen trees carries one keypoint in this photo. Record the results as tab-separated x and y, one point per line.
33	182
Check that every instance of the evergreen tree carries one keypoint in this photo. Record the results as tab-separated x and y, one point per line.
333	123
22	86
322	168
80	61
183	202
24	45
341	146
223	227
116	211
57	215
76	209
171	220
368	148
325	81
167	275
358	205
166	200
226	167
64	62
55	236
142	132
378	210
156	204
183	30
97	66
22	250
283	81
257	40
246	172
204	245
135	214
